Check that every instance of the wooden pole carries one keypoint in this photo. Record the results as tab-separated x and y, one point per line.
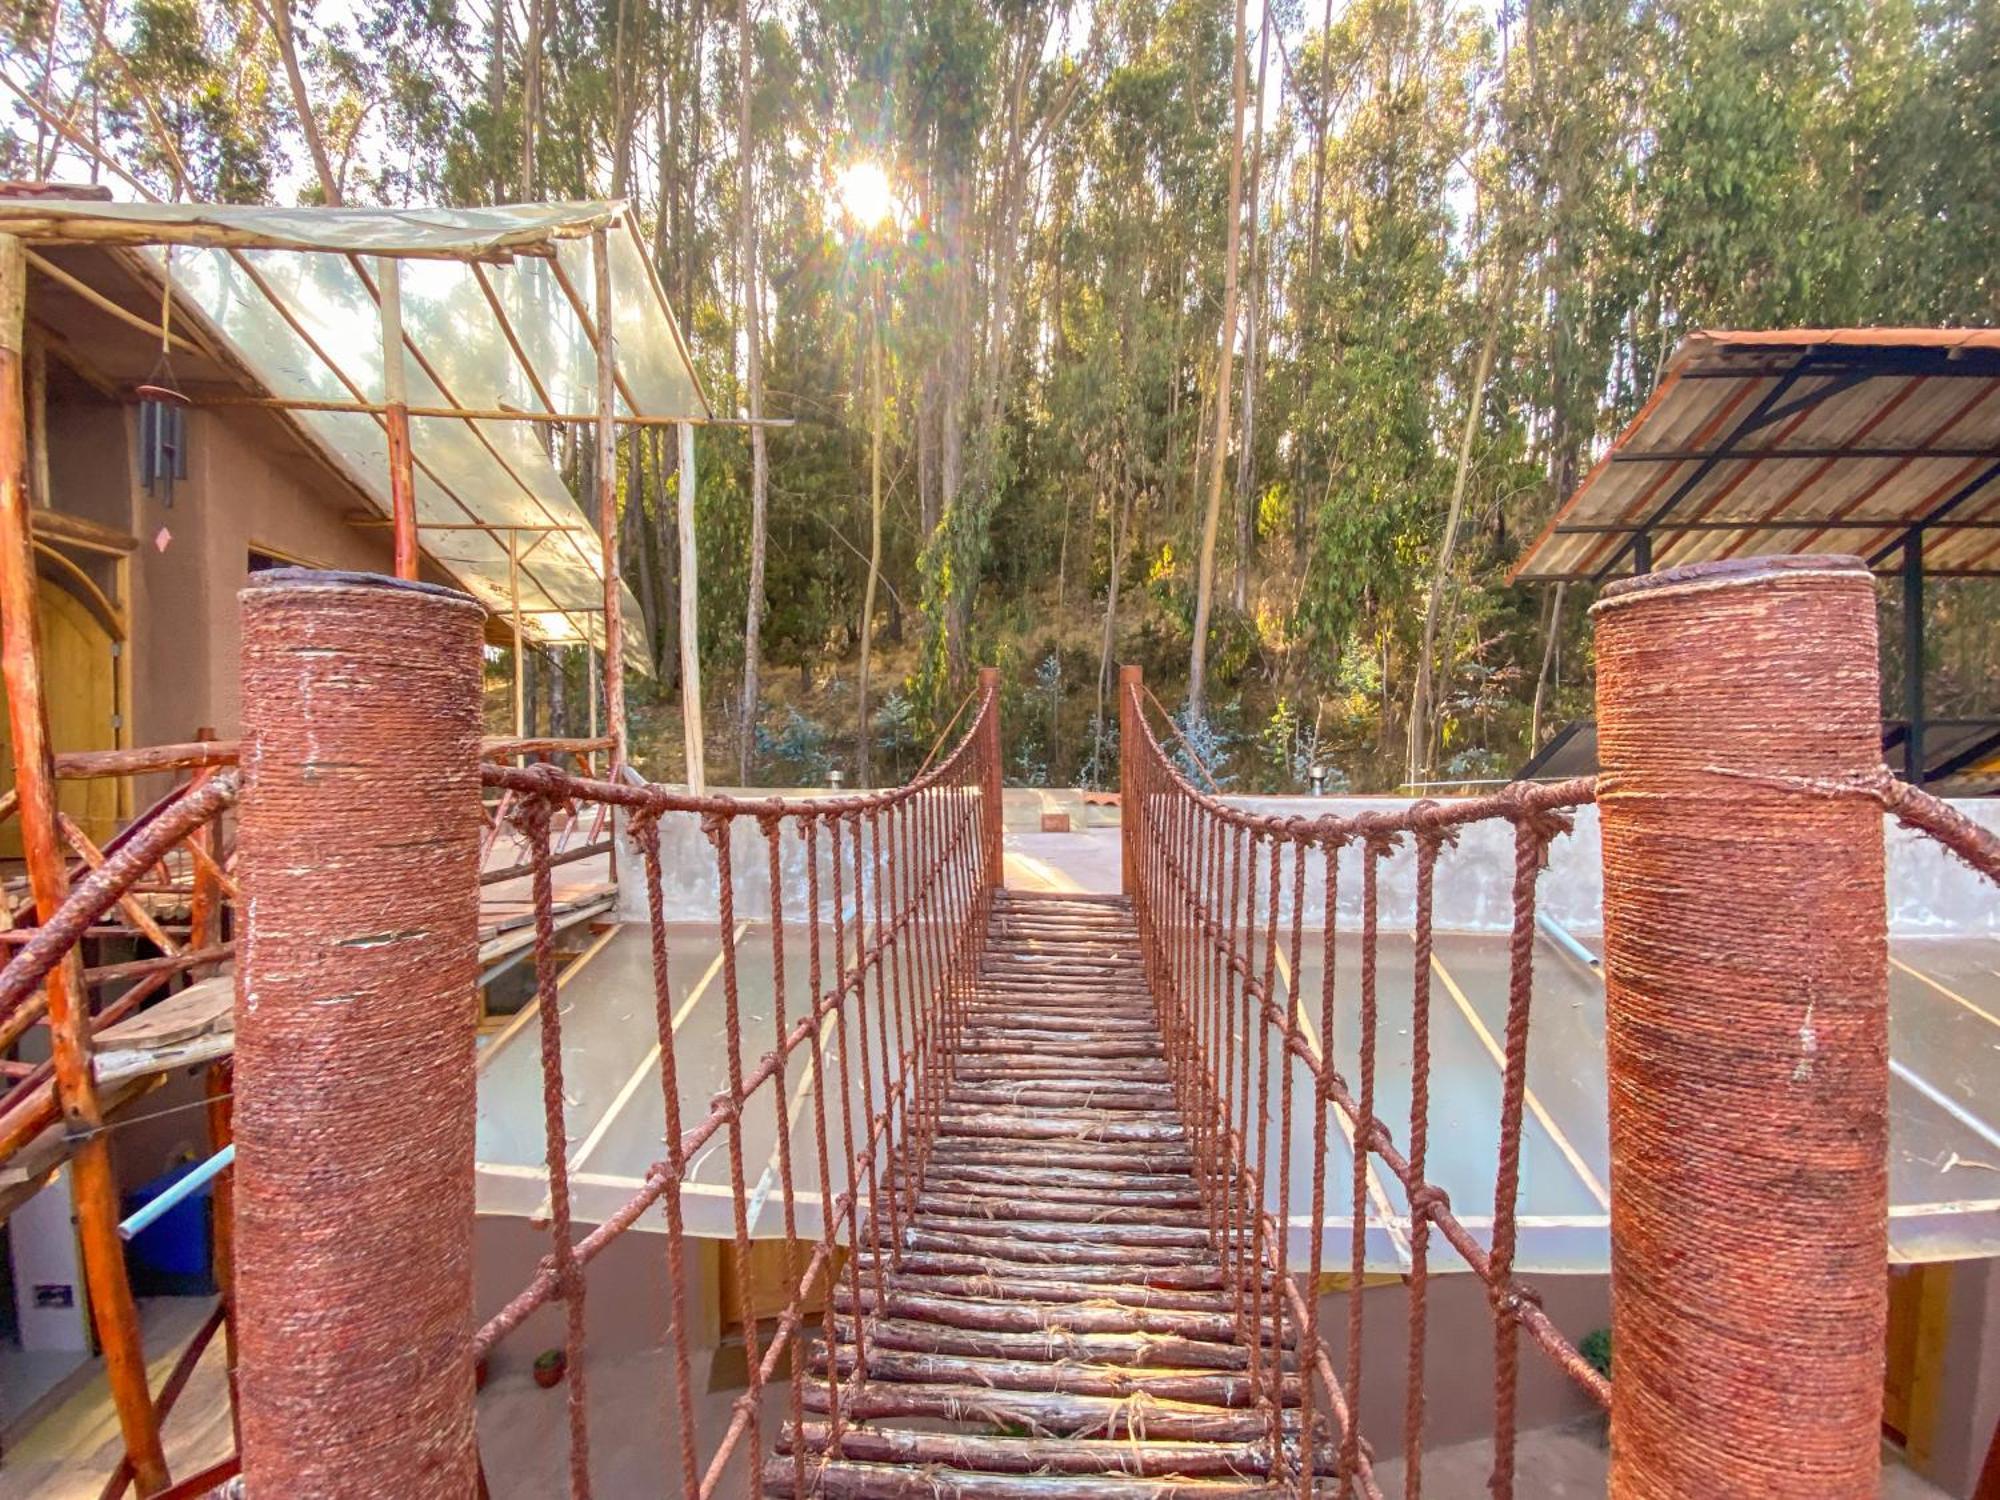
520	641
990	784
1130	680
95	1189
218	1082
607	510
396	412
697	772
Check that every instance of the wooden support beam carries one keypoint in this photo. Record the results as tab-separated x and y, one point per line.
94	1186
396	411
691	736
606	469
135	910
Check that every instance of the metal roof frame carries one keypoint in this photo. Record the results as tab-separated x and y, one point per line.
1750	433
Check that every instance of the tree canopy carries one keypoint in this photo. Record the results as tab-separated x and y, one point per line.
1468	238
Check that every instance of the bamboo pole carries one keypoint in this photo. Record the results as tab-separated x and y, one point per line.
396	411
697	771
607	509
95	1189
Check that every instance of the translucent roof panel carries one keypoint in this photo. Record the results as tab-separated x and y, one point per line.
494	233
499	315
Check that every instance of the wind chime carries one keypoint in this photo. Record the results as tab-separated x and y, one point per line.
163	411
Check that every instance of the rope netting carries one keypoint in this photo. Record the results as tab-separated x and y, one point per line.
1221	899
896	889
1221	896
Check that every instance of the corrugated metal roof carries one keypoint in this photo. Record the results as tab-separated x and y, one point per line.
1794	441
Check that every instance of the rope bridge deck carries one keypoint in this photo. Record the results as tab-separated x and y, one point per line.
1034	1163
1061	1280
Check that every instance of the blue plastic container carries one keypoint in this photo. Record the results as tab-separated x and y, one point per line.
177	1243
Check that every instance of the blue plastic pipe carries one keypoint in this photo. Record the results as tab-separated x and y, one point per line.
178	1193
1565	940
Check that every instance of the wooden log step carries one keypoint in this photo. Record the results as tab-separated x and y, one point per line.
978	1206
842	1479
1041	1095
991	1043
1056	1018
1164	1351
998	1314
1206	1388
1101	1129
1203	1275
1088	1237
1015	1455
1059	1184
1153	1162
1002	1070
1049	1413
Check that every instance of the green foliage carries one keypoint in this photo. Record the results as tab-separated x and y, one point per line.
1589	181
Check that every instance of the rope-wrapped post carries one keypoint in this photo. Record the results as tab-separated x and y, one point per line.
1747	1028
356	1015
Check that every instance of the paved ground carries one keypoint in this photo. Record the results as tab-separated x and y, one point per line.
1562	1463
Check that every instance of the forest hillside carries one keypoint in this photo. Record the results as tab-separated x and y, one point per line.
1247	342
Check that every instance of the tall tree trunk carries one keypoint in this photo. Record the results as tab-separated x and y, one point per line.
288	53
624	104
666	543
862	734
642	557
496	96
531	93
667	122
1246	511
753	323
1321	118
1225	362
1121	534
1552	632
1420	699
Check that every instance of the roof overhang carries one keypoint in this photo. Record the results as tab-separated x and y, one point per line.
1798	441
499	315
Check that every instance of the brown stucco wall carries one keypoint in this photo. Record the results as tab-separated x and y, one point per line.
250	484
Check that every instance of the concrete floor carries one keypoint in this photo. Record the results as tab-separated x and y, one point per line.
1570	1462
71	1451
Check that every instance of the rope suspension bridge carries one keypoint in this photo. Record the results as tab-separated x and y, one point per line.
1061	1179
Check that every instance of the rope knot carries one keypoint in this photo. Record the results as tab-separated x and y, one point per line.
1379	833
716	826
1544	824
1429	828
1509	1300
530	814
643	824
1429	1201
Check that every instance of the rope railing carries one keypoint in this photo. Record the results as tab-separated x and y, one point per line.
1220	894
896	890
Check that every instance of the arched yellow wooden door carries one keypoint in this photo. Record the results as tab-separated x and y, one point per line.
80	680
